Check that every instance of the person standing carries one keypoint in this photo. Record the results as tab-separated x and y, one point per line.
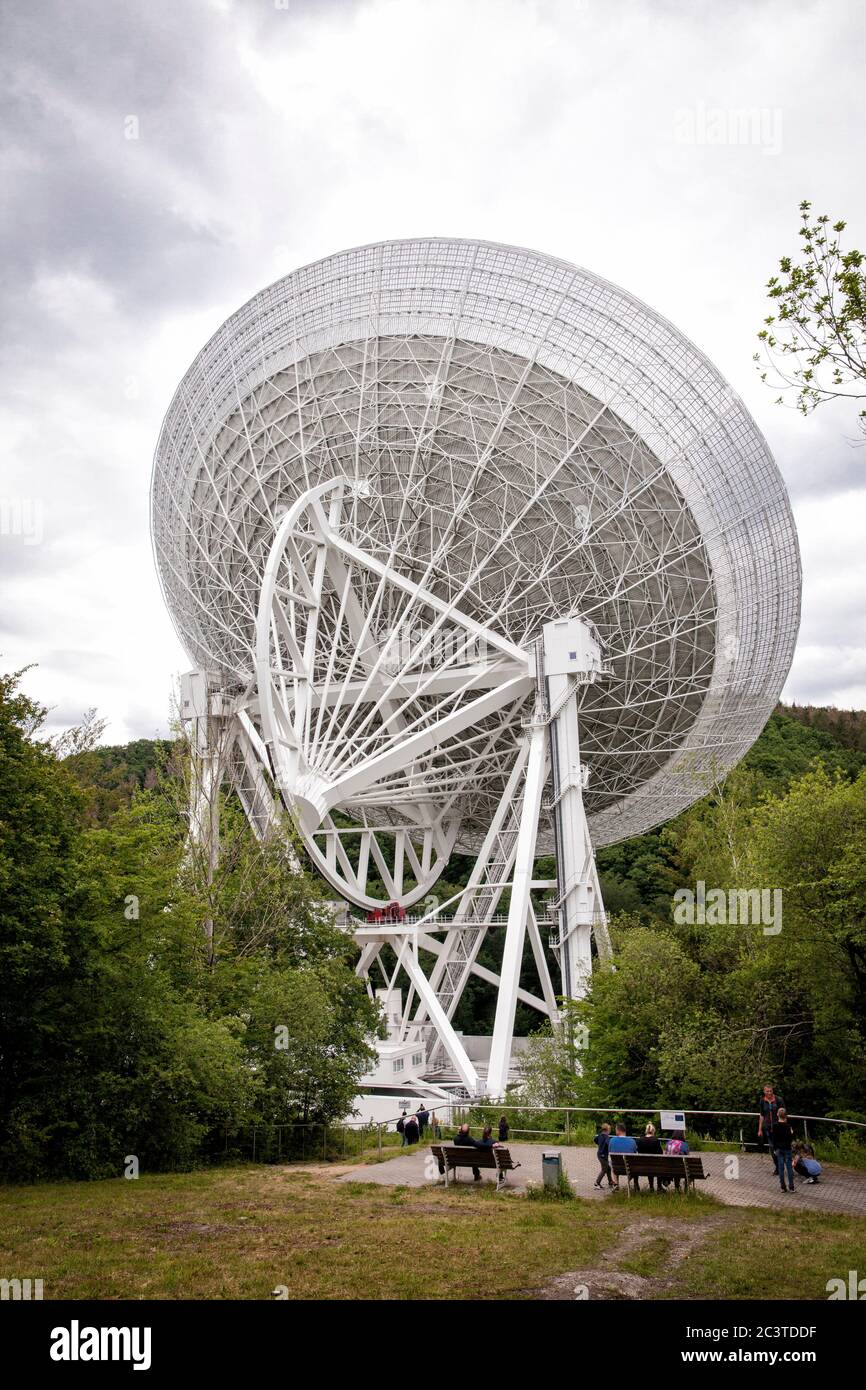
410	1129
783	1143
767	1111
423	1116
602	1145
649	1144
401	1130
435	1127
503	1129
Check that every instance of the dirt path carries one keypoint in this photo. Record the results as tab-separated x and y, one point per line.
665	1244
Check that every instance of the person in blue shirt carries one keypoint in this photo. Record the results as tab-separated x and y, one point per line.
805	1162
622	1143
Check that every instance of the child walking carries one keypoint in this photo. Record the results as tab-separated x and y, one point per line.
602	1146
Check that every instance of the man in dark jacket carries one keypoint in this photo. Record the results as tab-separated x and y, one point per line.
410	1129
769	1107
423	1115
464	1138
602	1144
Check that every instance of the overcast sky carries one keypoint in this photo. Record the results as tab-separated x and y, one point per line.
271	134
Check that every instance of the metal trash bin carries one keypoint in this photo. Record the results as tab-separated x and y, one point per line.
551	1167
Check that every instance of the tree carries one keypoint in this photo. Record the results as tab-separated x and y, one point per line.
815	341
812	843
714	832
252	940
283	971
548	1070
652	983
104	1051
41	950
124	1028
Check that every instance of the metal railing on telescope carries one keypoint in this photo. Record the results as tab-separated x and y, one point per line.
433	921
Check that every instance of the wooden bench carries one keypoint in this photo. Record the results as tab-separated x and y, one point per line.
688	1166
454	1156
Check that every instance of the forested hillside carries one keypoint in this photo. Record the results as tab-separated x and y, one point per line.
794	737
845	726
640	875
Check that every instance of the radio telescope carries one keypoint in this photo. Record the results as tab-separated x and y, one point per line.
473	552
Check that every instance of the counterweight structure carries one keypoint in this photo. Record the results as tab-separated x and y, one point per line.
473	553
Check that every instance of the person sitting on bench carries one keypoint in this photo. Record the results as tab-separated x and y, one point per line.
622	1143
649	1144
676	1145
466	1140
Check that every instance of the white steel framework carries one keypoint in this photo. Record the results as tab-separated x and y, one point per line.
472	551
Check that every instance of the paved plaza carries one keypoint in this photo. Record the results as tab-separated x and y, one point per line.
751	1183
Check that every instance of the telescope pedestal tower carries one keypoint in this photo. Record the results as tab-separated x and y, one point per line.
424	686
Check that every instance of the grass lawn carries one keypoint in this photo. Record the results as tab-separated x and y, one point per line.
240	1232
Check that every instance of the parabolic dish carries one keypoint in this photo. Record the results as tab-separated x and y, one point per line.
525	436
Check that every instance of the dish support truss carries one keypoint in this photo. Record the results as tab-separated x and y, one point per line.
372	691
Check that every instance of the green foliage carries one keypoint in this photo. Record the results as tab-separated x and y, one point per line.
562	1191
548	1074
701	1016
111	775
654	983
146	1008
796	736
815	340
639	876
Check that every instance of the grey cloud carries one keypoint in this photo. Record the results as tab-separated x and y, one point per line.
84	197
831	684
550	124
76	658
819	454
